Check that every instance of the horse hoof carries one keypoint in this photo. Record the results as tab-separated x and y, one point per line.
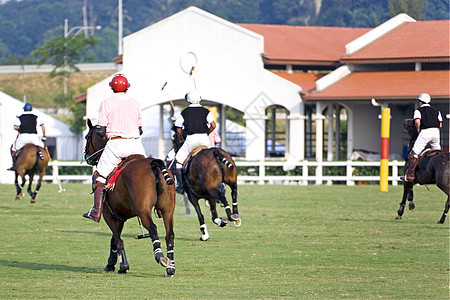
164	261
109	268
411	206
33	200
170	271
398	217
237	223
204	238
123	269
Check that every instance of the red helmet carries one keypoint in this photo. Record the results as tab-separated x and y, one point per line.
119	83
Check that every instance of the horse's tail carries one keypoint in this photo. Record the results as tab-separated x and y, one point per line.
222	159
158	165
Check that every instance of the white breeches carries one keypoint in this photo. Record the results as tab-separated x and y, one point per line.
26	138
192	141
114	151
429	135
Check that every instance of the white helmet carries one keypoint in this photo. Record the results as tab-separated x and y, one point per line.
424	97
193	97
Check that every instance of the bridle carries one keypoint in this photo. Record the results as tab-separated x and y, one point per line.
94	157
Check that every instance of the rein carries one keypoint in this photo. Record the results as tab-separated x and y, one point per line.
93	157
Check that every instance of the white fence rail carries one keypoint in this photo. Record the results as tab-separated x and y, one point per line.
257	169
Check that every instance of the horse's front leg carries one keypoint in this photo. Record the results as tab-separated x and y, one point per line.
444	215
201	219
214	195
406	187
411	204
117	250
112	259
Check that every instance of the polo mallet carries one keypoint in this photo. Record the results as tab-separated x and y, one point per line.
143	235
54	172
167	93
190	74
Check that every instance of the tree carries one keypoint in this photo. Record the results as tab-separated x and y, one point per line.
413	8
64	53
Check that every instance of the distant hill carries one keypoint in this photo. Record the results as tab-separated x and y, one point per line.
27	24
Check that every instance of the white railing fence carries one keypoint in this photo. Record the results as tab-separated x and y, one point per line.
300	173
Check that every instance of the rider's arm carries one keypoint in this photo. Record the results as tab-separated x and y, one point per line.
212	127
43	130
180	134
417	123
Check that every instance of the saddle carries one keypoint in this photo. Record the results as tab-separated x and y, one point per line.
112	177
191	155
428	152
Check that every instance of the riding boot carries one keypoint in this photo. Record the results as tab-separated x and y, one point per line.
14	158
95	213
180	181
410	172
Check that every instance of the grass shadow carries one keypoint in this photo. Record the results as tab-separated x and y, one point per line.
52	267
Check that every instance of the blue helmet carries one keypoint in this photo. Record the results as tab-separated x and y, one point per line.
28	107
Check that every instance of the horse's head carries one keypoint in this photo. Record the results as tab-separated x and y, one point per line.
410	127
94	145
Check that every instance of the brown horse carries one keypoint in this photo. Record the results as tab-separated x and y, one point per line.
204	174
143	185
31	159
433	168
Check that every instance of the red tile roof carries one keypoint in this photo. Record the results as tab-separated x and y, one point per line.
307	81
386	86
305	43
423	39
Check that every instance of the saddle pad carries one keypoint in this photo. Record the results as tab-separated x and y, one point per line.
112	178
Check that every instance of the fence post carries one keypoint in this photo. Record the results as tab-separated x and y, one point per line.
55	171
262	172
304	173
394	173
349	173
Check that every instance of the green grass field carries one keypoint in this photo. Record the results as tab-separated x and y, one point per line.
295	242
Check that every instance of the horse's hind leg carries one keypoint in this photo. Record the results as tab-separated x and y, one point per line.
38	186
30	192
148	223
19	194
444	215
170	238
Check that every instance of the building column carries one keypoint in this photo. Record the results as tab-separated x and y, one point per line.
255	138
330	132
296	137
319	140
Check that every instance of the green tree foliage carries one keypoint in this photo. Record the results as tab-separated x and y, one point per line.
65	52
413	8
28	24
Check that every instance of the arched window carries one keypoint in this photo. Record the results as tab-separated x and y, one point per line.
276	131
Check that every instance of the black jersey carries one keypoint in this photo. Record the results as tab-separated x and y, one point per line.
429	117
195	120
28	123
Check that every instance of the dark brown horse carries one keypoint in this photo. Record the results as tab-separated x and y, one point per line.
204	174
433	168
31	159
143	185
